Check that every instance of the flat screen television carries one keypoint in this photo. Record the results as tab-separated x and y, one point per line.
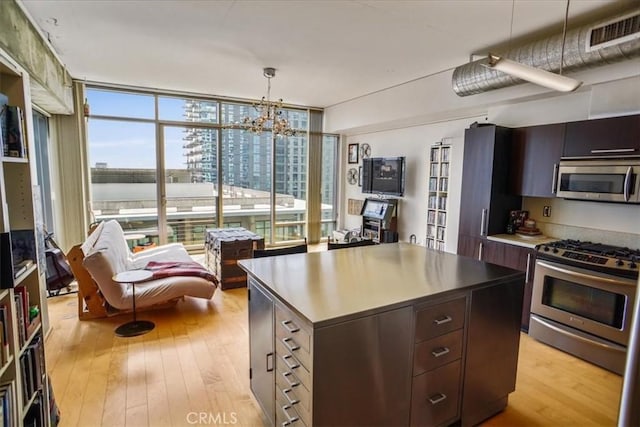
383	175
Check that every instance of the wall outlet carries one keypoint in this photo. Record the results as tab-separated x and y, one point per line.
546	211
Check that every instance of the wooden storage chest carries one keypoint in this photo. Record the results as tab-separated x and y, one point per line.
223	248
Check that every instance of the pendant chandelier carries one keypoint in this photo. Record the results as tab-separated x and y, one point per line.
270	114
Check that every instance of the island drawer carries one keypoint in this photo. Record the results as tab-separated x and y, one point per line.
435	396
288	362
293	396
437	351
286	413
439	319
291	323
286	379
292	334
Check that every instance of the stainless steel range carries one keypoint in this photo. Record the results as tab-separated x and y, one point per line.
582	303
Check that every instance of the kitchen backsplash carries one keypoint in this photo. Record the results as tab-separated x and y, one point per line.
589	234
608	223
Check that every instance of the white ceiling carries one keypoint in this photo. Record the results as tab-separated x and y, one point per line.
325	51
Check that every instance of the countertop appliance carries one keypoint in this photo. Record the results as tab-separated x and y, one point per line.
583	297
599	180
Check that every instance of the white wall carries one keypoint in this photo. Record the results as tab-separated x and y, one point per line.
414	143
406	120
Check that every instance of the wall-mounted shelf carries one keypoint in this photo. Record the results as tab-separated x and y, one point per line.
437	200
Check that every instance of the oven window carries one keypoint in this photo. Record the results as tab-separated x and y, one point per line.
585	301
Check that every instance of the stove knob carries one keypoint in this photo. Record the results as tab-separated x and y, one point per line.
555	250
619	263
632	265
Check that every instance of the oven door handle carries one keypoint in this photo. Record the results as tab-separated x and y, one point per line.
578	274
627	184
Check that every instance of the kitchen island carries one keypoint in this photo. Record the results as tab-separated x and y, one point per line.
393	334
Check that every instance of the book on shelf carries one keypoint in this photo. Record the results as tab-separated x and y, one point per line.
15	132
8	403
22	332
3	358
3	124
4	319
24	300
21	268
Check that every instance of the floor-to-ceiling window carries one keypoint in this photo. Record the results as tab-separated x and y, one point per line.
329	184
177	162
41	142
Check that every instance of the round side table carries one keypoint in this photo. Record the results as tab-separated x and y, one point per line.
135	327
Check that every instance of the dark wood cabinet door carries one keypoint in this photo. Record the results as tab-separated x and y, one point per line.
516	257
469	246
476	179
610	137
536	155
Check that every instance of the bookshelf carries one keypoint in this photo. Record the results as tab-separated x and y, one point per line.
24	387
437	201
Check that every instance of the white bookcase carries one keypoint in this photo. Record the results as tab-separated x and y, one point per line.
24	391
437	201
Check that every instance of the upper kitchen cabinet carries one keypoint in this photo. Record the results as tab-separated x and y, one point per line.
536	155
610	137
486	199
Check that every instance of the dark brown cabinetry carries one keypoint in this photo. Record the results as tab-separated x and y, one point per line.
610	137
486	196
518	258
535	158
485	389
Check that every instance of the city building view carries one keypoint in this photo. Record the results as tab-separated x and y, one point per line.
191	152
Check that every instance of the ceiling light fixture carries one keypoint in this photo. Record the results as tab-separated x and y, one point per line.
536	75
270	114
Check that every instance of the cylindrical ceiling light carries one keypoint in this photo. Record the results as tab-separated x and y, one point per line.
533	75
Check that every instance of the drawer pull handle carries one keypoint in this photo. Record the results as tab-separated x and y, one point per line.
291	383
437	398
290	400
445	319
290	419
291	330
292	365
291	347
440	351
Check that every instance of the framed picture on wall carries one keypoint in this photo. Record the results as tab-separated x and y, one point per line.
360	176
353	153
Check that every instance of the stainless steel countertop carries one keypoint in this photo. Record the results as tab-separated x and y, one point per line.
330	285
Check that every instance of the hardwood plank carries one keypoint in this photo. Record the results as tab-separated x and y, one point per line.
195	363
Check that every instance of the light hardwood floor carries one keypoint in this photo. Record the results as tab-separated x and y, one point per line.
196	362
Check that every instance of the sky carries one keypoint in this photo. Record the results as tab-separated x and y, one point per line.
125	144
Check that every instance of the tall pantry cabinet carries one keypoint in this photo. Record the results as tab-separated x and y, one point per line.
486	196
24	386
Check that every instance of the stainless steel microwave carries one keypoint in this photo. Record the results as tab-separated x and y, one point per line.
599	180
